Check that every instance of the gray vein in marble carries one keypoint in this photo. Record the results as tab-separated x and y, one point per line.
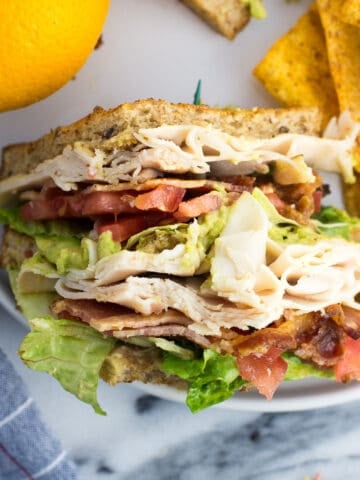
273	447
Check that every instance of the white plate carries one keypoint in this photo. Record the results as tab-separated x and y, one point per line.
158	48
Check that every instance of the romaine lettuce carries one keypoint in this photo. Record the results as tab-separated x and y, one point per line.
71	352
298	369
334	222
212	378
59	228
31	304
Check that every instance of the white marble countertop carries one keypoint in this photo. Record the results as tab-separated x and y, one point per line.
158	48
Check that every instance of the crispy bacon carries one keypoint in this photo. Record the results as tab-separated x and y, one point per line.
318	336
260	341
122	323
350	321
198	206
165	198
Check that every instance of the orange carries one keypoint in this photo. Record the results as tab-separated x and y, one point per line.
43	43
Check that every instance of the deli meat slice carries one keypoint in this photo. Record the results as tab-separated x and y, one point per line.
122	323
149	295
165	331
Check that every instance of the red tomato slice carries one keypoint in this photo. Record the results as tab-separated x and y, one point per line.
79	205
265	371
165	198
126	227
348	368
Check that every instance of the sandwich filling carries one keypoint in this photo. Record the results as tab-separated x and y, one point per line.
212	250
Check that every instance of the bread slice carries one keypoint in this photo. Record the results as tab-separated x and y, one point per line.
128	363
227	17
109	129
15	247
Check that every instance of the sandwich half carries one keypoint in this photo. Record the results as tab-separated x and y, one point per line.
184	245
227	17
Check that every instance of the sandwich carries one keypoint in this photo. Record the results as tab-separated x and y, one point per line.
186	246
227	17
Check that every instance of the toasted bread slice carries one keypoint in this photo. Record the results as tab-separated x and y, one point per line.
15	247
109	129
128	363
227	17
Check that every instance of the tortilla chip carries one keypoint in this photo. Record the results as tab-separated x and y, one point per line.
296	69
350	12
343	44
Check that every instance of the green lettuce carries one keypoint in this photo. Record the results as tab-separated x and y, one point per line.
59	228
212	378
334	222
31	304
71	352
298	369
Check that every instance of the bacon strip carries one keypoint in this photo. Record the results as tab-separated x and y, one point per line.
165	198
122	323
165	331
198	206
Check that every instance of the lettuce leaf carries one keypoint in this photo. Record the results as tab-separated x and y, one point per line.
335	222
60	228
298	369
71	352
31	304
212	378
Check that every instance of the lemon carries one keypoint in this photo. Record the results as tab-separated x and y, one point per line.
43	43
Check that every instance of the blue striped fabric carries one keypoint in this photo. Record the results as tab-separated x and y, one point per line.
27	449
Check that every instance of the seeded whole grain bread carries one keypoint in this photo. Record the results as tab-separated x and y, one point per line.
15	248
127	364
109	129
227	17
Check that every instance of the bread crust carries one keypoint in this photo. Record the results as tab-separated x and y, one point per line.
114	128
227	17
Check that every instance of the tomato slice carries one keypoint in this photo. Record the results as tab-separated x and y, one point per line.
127	226
348	367
79	205
264	371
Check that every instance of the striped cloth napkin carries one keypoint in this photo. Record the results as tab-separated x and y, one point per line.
27	449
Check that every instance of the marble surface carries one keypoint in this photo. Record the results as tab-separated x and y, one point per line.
144	437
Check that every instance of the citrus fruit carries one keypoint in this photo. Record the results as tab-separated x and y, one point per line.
43	43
